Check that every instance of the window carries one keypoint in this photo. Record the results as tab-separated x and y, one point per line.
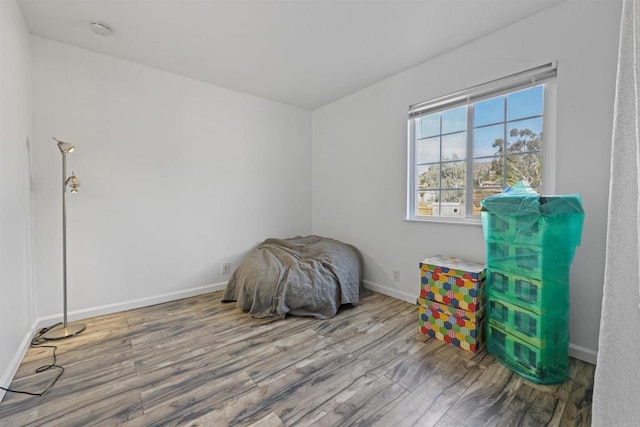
472	144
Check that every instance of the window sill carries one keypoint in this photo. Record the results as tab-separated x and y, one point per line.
444	220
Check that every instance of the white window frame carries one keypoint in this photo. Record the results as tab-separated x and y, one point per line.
545	74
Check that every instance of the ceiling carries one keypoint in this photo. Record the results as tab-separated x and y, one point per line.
305	53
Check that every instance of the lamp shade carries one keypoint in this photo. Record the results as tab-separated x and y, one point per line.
64	147
73	183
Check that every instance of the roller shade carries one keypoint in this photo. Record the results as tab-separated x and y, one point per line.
521	80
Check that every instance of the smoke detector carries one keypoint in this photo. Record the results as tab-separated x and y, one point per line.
100	29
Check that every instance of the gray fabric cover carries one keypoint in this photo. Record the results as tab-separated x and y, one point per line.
303	276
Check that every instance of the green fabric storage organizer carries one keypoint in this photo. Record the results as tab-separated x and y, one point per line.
531	240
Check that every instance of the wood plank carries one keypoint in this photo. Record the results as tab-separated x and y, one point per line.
447	421
450	373
271	420
194	402
300	388
488	398
110	411
562	391
361	403
578	409
69	395
225	413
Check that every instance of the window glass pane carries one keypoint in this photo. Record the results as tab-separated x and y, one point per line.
525	103
427	126
454	120
524	135
454	146
488	141
489	111
426	199
429	150
453	174
505	147
428	176
479	194
527	167
487	172
451	204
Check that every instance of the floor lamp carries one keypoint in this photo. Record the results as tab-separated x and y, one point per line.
65	330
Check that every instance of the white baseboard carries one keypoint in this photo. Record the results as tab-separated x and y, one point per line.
130	305
578	352
403	296
9	373
582	353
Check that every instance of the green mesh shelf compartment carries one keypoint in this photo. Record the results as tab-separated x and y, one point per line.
527	218
520	229
529	260
529	293
539	330
548	365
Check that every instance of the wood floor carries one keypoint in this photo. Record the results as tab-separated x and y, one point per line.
198	362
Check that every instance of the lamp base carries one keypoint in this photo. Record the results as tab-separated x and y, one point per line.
59	332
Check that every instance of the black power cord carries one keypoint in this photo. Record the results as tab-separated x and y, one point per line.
39	341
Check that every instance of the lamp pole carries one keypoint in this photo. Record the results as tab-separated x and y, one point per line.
65	330
64	239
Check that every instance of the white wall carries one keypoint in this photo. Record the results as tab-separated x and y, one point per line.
359	152
177	176
16	297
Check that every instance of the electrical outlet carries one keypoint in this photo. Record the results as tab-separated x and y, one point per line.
396	275
225	267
